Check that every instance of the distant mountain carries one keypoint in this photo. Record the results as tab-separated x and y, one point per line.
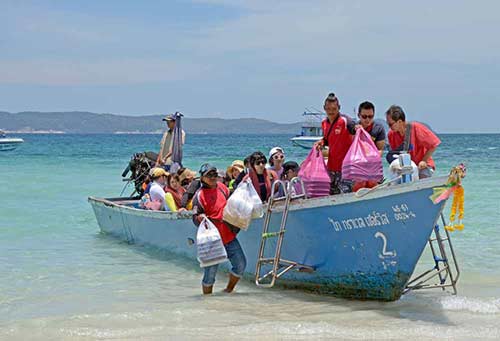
87	122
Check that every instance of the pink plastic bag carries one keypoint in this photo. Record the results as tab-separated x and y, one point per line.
153	205
314	174
363	161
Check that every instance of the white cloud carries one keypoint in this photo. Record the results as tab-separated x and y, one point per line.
110	72
266	39
361	31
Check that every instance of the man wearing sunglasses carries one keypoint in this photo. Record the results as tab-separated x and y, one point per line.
209	202
338	131
366	114
421	141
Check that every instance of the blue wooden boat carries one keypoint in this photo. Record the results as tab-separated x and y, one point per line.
361	247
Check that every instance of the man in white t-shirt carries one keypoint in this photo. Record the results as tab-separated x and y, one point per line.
156	192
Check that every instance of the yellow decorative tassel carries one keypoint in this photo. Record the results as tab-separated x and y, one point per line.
456	175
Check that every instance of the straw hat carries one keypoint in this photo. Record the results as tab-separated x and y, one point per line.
186	174
236	164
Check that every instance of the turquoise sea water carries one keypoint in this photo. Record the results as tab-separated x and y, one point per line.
62	279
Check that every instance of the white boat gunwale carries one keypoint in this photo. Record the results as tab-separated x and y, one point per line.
299	204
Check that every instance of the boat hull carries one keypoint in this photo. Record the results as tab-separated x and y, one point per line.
7	144
362	248
305	141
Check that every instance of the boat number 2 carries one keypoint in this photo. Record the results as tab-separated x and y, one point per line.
384	246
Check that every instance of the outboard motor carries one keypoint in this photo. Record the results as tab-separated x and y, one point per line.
140	164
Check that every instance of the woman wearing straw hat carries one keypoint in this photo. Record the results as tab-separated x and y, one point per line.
233	171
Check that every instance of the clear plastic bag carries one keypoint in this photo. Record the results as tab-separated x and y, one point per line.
209	244
243	206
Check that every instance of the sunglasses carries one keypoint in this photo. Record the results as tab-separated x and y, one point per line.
278	157
366	116
260	162
212	175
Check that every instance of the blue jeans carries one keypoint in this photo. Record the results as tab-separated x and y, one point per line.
237	259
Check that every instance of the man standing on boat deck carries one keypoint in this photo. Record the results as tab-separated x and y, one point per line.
209	202
166	144
366	114
338	131
422	142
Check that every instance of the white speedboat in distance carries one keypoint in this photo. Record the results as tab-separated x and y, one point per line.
9	143
311	129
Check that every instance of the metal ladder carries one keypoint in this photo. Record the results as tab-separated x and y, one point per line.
445	269
278	266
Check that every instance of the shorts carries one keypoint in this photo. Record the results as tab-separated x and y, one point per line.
237	259
338	185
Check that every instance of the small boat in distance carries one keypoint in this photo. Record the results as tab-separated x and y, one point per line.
8	143
311	129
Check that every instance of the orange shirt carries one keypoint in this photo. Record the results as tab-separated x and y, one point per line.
421	140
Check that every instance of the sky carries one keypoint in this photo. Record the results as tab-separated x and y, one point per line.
439	60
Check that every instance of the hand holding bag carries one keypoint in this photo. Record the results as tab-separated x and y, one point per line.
362	162
314	174
243	206
209	244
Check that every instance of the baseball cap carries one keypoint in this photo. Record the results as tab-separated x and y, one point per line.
275	150
157	172
206	168
169	118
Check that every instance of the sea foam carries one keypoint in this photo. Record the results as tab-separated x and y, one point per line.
474	305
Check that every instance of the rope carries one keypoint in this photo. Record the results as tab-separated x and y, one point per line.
364	191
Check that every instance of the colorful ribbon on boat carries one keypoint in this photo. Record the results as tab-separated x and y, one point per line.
453	186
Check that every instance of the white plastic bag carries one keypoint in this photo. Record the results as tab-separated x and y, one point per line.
209	244
395	170
243	206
